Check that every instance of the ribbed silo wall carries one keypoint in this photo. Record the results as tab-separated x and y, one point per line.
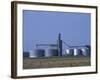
51	52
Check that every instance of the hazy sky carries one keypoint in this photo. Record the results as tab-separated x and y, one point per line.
42	27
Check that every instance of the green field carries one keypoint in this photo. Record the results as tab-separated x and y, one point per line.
51	62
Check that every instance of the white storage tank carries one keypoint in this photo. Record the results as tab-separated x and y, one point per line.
77	52
69	52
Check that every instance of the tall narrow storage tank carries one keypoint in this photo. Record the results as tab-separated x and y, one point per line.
69	52
77	52
51	52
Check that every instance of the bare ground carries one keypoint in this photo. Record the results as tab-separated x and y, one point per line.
51	62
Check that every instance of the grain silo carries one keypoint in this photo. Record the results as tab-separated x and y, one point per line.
51	52
85	51
37	53
69	52
77	52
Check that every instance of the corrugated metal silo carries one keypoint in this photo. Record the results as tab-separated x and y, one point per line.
51	52
77	52
37	53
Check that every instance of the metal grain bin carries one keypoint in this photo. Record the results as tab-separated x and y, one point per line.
69	52
77	52
85	51
37	53
51	52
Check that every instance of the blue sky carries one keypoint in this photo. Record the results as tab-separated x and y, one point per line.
42	27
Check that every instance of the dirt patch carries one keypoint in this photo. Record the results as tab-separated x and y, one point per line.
31	63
